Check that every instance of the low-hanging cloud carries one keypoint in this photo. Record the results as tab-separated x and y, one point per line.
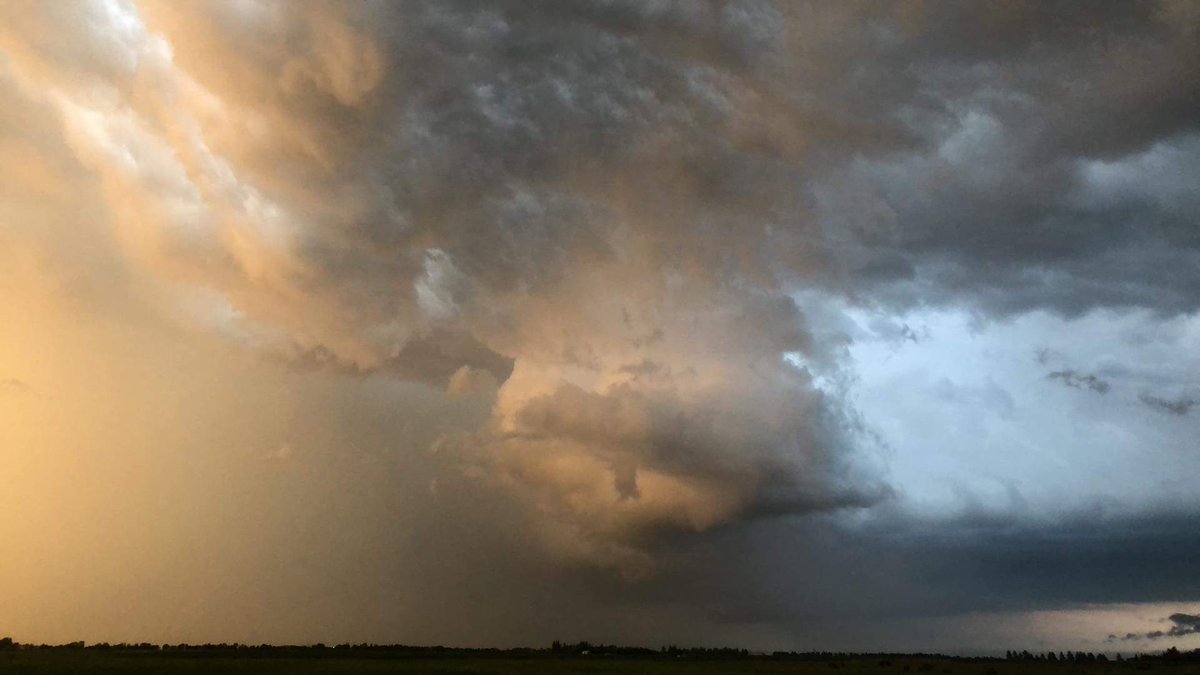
1181	625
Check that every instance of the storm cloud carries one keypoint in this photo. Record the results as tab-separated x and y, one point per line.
633	285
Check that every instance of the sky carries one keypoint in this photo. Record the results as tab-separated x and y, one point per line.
779	325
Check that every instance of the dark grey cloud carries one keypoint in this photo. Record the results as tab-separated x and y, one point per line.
1182	625
1080	560
828	584
435	357
1180	406
1034	187
1079	380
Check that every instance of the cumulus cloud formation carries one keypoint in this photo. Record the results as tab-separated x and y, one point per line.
549	197
626	239
557	196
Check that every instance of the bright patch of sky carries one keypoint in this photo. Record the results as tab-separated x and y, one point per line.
975	417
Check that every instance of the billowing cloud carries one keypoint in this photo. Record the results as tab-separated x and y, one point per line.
1027	191
544	197
600	270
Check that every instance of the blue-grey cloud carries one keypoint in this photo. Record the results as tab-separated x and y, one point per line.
1079	380
1180	406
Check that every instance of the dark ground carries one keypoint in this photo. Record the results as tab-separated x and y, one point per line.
47	662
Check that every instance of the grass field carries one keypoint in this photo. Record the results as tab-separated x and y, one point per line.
115	664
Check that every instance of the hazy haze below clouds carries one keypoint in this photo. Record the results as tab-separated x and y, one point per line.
740	322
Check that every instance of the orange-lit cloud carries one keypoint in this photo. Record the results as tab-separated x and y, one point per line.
236	153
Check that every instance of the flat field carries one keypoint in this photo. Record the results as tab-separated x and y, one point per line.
48	663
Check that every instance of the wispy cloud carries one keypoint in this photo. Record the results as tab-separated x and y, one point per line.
1180	406
1079	380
